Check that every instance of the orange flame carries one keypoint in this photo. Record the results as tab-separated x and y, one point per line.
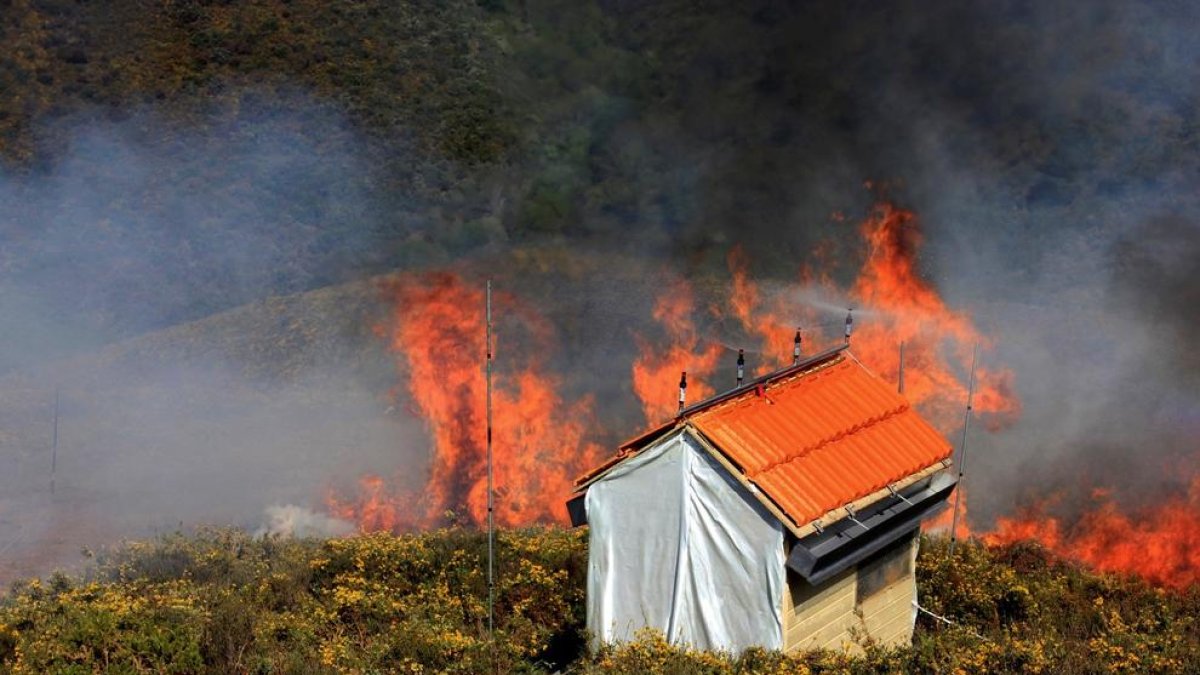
539	441
942	522
656	373
375	508
909	310
901	308
1160	543
776	334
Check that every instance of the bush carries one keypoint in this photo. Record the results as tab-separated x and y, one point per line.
221	601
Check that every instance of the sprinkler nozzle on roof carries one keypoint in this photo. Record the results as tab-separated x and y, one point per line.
741	366
849	324
796	348
682	389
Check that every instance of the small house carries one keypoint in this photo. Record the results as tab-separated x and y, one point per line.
783	513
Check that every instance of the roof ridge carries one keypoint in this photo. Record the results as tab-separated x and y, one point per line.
869	422
811	364
790	377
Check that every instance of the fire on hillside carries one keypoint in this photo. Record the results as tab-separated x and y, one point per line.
543	439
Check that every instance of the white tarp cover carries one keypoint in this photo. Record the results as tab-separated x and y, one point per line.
677	544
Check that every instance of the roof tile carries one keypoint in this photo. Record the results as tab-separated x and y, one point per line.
813	438
822	438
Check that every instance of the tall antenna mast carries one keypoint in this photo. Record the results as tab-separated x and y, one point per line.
491	506
54	444
962	449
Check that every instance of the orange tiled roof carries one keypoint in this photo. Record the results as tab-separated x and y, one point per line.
822	438
814	439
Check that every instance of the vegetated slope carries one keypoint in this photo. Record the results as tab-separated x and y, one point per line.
221	601
279	401
167	162
318	142
426	66
180	159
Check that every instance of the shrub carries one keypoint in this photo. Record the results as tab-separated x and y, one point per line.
221	601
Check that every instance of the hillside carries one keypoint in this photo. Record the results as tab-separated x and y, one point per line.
276	402
203	202
223	602
180	159
209	420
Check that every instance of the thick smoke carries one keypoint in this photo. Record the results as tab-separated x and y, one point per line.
1080	252
1109	377
1010	120
142	221
136	281
1049	149
193	425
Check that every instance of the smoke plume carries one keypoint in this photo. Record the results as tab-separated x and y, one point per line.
151	267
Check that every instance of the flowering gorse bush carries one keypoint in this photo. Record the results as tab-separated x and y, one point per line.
221	601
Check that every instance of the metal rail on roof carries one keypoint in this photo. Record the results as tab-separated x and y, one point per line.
839	545
762	380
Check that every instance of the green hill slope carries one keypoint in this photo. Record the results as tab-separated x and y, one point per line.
180	159
279	401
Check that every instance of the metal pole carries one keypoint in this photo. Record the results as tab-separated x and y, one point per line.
491	506
901	376
962	449
54	444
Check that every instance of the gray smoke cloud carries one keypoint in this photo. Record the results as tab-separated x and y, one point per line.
1050	152
290	520
1079	254
145	275
1107	374
192	425
142	221
1049	149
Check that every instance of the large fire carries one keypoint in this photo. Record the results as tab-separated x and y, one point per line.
541	441
656	371
1160	543
894	305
